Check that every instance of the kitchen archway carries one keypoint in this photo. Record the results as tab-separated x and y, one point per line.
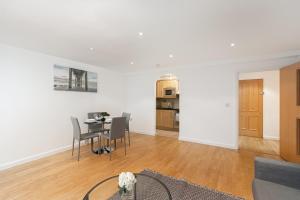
167	106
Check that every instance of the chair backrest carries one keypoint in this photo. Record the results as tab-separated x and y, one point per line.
94	127
76	128
93	115
118	125
127	115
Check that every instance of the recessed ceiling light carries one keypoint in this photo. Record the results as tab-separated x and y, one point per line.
171	56
232	44
131	63
92	49
141	33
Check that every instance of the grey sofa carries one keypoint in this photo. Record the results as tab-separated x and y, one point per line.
276	180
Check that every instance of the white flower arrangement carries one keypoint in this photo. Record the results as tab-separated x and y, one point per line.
126	182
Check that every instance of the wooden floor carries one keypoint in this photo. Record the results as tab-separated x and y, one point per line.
259	145
61	177
171	134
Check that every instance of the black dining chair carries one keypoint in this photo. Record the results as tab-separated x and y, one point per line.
77	135
117	131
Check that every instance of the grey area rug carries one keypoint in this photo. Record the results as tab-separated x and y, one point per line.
179	189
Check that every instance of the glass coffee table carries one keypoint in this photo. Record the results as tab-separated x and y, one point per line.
146	187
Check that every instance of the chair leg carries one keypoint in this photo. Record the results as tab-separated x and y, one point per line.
78	150
125	145
115	141
109	149
92	144
100	144
129	137
121	140
73	146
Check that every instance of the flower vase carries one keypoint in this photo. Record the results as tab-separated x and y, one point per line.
127	183
128	195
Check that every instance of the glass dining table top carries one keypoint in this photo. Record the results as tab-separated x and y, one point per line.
146	187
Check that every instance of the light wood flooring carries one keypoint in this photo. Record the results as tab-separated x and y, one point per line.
61	177
171	134
259	145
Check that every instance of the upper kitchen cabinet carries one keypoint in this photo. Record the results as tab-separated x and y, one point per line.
159	89
167	88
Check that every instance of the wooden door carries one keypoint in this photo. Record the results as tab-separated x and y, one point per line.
251	107
290	113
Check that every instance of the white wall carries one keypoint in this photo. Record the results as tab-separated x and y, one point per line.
208	101
271	81
141	102
207	104
35	119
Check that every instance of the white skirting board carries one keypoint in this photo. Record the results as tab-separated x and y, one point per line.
33	157
228	146
41	155
271	137
65	148
143	132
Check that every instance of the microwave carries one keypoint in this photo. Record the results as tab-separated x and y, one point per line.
169	92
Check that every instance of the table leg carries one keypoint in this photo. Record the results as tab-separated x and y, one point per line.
98	150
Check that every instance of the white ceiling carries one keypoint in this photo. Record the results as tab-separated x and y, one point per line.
194	31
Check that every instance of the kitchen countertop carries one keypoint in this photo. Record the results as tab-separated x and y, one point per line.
177	109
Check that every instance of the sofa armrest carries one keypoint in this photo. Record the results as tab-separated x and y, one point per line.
279	172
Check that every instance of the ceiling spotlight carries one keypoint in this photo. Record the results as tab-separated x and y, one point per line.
92	49
141	33
131	63
232	44
171	56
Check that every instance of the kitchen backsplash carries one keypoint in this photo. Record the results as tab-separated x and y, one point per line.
173	103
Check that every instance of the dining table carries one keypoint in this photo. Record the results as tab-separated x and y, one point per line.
91	122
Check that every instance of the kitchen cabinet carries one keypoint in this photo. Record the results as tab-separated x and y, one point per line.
165	118
159	120
162	84
159	89
170	83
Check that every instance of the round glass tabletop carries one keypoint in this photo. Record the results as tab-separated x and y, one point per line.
146	187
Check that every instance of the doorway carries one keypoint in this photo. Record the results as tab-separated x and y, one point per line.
167	106
258	96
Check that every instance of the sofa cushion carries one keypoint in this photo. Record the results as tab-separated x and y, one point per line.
264	190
